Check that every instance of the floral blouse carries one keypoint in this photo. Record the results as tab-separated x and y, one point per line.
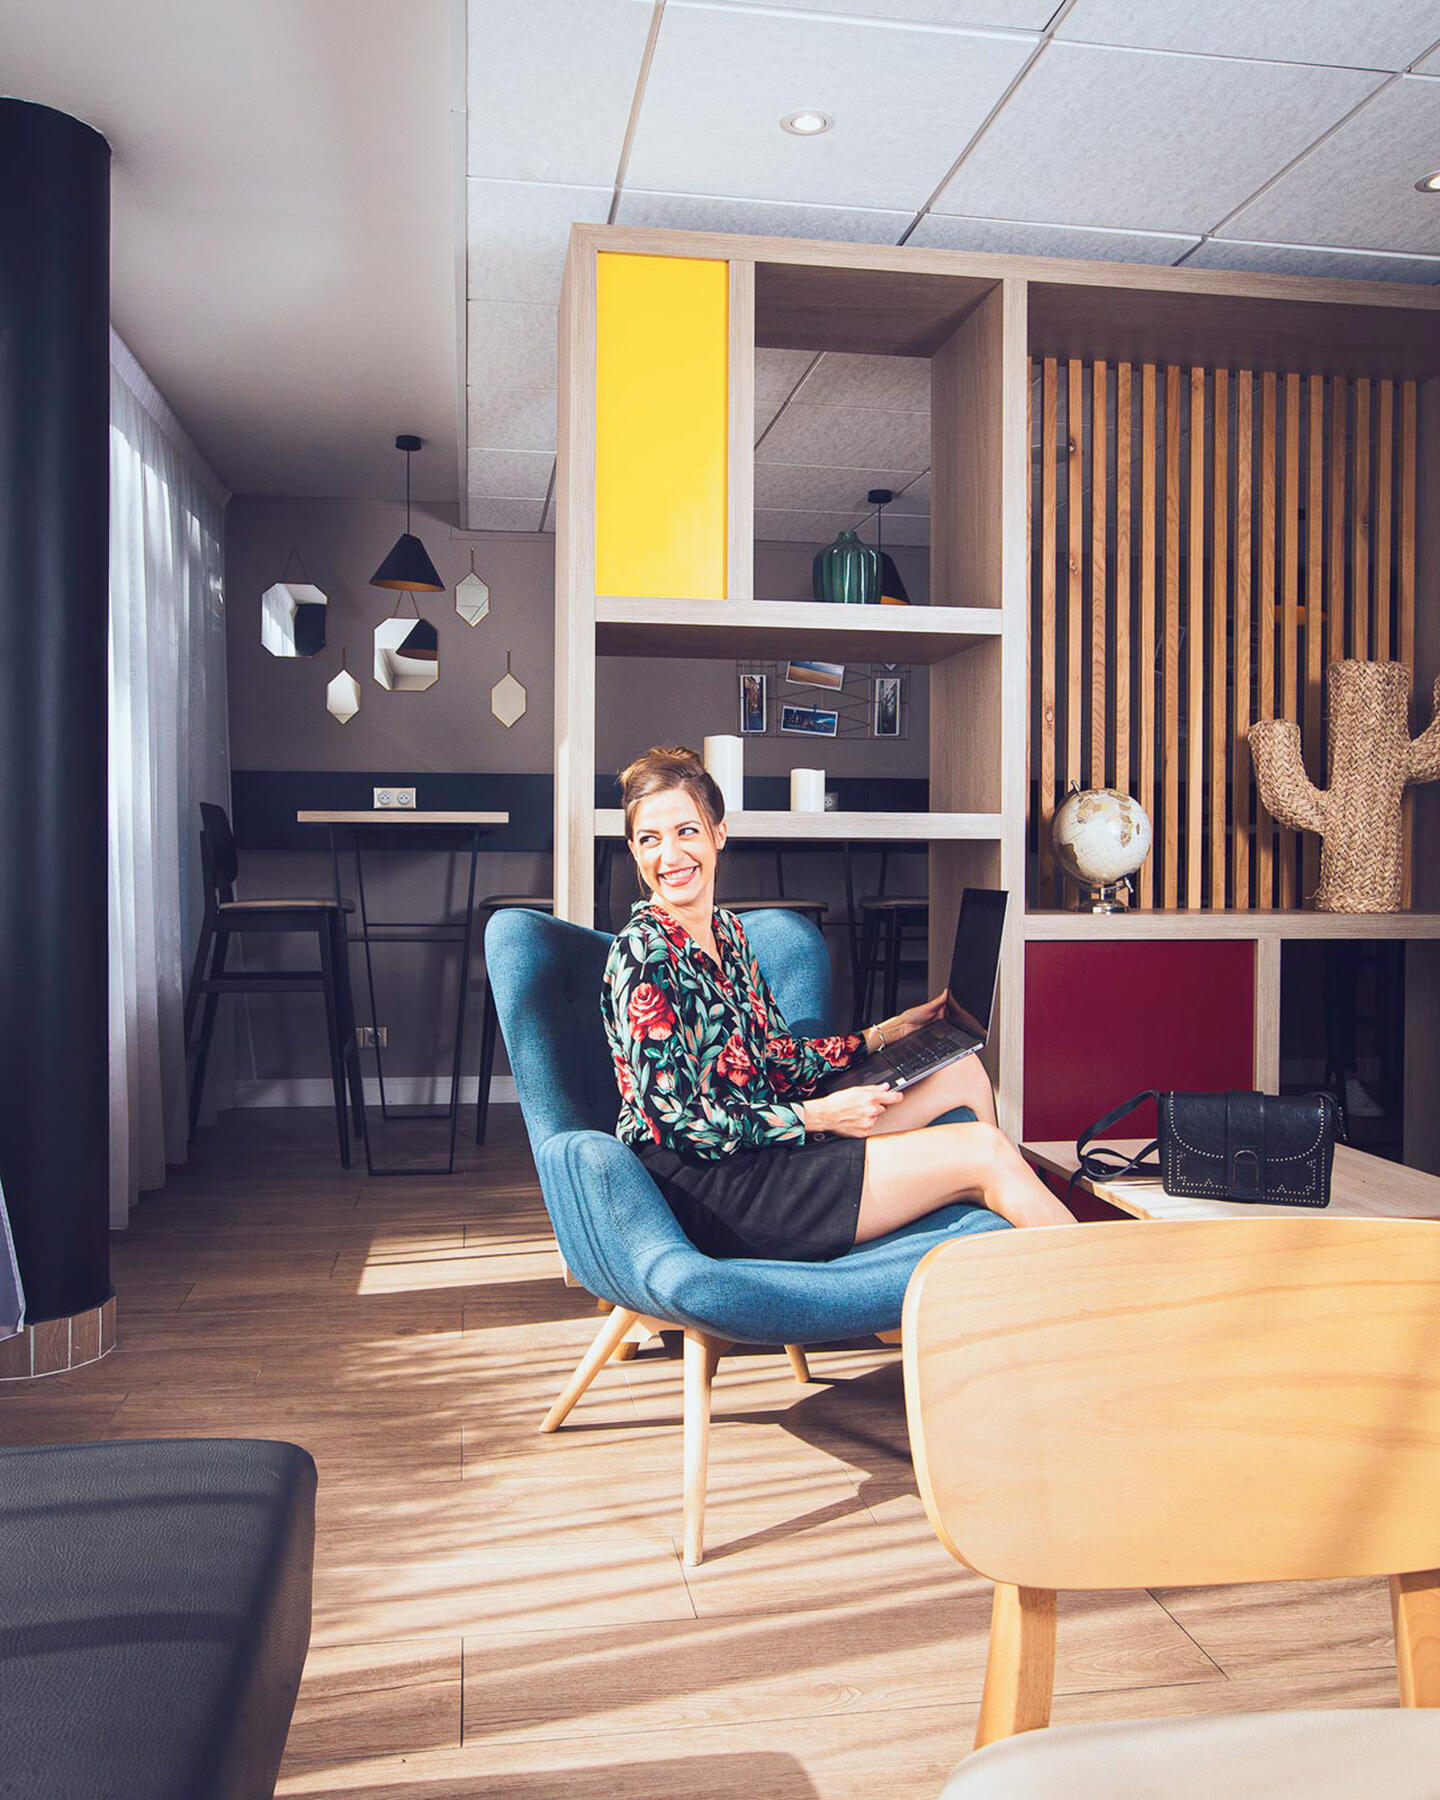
703	1059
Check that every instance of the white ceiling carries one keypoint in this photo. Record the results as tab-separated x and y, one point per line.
283	228
1272	135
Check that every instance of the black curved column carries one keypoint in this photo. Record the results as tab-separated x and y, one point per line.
54	556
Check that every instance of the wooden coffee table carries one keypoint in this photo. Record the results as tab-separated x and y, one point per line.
1361	1187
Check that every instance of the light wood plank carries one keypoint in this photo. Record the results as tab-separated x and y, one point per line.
1123	775
740	432
722	630
1360	527
1099	455
1149	448
1242	782
1290	608
1219	616
1170	754
1265	630
1339	437
835	827
574	744
1405	605
1049	449
1195	645
1384	517
1074	572
1314	606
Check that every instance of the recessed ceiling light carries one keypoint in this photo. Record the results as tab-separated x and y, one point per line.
806	123
1429	184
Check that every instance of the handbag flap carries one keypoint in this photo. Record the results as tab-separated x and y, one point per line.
1247	1145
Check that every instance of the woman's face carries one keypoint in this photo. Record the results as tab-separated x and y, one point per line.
675	850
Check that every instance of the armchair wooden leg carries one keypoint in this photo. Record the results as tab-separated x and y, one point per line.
612	1329
1020	1669
702	1353
1415	1607
798	1363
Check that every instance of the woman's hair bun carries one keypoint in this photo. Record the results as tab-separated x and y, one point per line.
665	767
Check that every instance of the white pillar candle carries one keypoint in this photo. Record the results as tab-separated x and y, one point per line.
725	762
807	790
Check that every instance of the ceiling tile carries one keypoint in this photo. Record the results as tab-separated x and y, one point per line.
889	383
518	233
788	527
1002	15
506	419
760	218
942	231
1386	36
816	436
787	487
1357	189
906	528
485	514
914	500
1132	139
550	84
508	474
1429	65
778	372
511	345
1297	259
905	99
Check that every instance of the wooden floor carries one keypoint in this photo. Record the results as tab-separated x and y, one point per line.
505	1615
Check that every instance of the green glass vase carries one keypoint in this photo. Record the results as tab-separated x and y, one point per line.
847	572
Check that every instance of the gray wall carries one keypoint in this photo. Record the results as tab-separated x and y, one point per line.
278	721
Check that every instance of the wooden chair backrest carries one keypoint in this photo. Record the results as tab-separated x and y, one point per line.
1208	1401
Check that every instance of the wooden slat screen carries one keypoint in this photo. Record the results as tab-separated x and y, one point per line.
1204	543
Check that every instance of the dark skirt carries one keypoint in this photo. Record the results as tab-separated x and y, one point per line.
784	1202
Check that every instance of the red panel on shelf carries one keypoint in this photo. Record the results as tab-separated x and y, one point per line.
1103	1021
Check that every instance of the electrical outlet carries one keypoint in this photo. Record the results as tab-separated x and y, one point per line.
388	799
368	1037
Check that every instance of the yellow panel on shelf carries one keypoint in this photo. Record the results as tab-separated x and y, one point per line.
661	434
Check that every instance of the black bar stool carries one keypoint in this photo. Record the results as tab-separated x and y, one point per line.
884	920
227	917
814	910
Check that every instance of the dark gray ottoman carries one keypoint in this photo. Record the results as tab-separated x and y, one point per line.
154	1617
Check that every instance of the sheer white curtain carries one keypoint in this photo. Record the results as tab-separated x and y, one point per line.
169	749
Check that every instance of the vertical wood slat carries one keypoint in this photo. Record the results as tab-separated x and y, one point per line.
1360	525
1244	502
1170	762
1048	446
1405	592
1099	736
1122	578
1195	628
1145	665
1335	619
1314	608
1290	609
1219	674
1384	496
1075	562
1265	633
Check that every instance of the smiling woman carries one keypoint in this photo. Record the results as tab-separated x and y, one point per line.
722	1102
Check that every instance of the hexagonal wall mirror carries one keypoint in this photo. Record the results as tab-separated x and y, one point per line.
342	697
472	596
508	698
407	655
292	618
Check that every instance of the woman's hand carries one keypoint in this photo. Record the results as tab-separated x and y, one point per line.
892	1030
849	1112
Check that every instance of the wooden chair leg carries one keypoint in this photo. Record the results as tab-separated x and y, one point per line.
612	1329
798	1362
1415	1607
1020	1668
702	1353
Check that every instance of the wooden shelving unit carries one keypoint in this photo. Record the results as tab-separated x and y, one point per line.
980	320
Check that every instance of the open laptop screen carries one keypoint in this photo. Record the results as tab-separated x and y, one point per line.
976	959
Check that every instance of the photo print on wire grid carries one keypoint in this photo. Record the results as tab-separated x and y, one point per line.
870	699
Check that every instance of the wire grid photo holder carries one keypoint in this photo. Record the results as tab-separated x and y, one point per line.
871	699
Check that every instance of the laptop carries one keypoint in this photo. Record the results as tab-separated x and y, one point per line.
964	1025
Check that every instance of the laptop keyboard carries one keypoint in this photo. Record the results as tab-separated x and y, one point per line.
916	1052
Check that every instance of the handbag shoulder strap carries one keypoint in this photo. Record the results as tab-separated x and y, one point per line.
1109	1165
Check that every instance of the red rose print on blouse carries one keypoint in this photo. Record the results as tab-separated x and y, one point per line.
623	1079
835	1050
651	1014
758	1010
781	1046
734	1061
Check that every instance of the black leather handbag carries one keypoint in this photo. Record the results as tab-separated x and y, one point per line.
1276	1149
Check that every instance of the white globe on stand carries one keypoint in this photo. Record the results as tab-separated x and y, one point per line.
1100	837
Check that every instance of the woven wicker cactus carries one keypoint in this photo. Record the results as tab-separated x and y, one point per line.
1372	758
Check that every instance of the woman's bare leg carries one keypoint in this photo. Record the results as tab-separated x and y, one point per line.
909	1175
963	1083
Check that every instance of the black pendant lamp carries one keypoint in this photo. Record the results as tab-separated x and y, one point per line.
408	565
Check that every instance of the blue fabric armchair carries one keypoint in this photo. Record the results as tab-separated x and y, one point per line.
615	1232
